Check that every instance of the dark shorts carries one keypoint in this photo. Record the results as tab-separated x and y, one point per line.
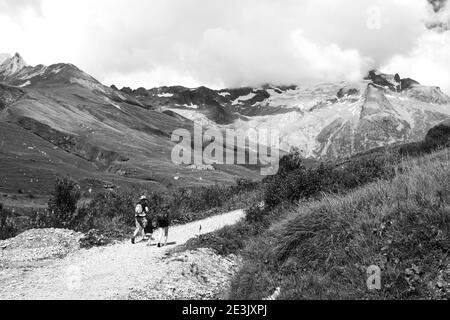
163	222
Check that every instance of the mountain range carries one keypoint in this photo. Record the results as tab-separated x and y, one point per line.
58	120
326	121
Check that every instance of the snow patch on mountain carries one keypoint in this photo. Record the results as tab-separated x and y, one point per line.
165	95
57	70
25	84
112	103
239	100
36	72
196	117
190	106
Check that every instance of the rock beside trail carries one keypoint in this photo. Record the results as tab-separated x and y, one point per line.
192	275
40	244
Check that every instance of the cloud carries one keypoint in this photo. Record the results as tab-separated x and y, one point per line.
440	20
219	43
428	62
437	5
14	7
233	43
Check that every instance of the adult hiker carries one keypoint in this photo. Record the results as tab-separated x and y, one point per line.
141	211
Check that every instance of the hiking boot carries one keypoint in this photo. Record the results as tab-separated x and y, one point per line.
133	240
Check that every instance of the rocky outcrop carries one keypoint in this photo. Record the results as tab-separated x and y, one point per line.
393	82
347	92
408	83
428	94
384	80
9	95
127	90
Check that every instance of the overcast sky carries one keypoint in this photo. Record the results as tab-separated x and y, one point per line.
230	43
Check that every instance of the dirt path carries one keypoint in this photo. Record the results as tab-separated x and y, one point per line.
111	272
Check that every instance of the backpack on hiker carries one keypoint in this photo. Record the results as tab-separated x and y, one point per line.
139	209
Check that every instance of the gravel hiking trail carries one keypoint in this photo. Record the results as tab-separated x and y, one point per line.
103	273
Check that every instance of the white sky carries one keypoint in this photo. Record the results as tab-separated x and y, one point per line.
229	43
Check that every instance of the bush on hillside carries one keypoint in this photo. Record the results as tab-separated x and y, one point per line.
256	214
294	182
41	219
439	135
244	185
110	212
7	230
63	203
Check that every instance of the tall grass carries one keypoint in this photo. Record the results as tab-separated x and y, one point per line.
323	250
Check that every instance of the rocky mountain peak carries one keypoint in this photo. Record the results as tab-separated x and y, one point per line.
391	81
12	65
17	56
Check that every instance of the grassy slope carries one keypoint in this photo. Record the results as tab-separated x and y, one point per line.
323	250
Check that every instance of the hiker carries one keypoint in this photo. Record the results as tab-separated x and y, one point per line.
163	223
141	211
160	222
